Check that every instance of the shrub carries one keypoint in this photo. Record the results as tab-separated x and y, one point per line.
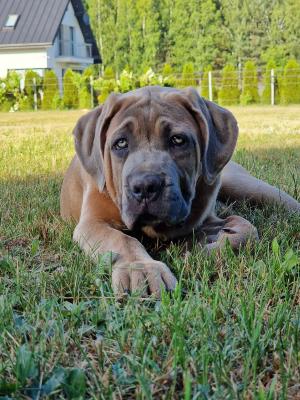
168	76
70	90
150	78
188	76
229	92
51	91
126	81
290	92
250	87
266	94
31	78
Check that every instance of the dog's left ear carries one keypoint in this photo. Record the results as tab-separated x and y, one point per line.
218	130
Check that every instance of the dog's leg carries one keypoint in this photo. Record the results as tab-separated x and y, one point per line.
132	267
238	184
234	229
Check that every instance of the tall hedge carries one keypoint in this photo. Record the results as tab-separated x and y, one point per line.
32	79
266	94
50	91
290	83
188	75
70	90
250	86
229	92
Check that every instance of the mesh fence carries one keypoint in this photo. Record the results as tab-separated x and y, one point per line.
276	86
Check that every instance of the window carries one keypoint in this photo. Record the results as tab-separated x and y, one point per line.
11	21
72	40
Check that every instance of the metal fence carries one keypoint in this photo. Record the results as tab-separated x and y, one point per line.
208	84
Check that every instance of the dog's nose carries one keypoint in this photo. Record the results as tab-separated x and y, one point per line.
146	187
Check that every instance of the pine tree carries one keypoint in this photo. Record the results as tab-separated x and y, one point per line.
250	85
70	90
50	90
229	92
266	94
290	92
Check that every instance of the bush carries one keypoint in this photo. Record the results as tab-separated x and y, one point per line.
51	91
31	78
266	94
150	78
126	81
188	76
70	90
290	84
229	92
168	76
250	87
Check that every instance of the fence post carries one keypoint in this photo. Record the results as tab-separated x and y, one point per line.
272	87
34	94
210	92
92	91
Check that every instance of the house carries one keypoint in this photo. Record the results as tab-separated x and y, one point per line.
42	34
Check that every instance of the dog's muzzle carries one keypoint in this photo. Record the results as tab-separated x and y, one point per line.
145	187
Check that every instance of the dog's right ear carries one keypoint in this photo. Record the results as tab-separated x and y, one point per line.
90	137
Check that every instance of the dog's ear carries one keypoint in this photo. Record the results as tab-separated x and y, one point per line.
219	132
90	136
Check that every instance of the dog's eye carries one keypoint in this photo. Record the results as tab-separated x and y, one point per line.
178	140
121	144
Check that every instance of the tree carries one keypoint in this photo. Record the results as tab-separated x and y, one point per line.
250	86
50	91
229	92
290	92
70	90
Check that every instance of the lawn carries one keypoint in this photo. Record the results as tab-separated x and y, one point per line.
230	331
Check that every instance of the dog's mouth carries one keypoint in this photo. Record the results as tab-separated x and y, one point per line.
158	220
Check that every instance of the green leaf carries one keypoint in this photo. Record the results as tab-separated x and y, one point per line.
25	367
75	384
54	382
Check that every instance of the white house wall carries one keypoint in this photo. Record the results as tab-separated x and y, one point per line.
18	59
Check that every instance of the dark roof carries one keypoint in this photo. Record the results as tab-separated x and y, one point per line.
39	21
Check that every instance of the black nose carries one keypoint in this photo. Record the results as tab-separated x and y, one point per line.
145	186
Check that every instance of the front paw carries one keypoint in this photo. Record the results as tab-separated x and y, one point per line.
145	277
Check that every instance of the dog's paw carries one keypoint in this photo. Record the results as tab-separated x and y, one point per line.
144	277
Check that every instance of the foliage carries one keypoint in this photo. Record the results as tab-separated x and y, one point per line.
188	76
229	92
168	76
249	89
150	33
50	91
70	91
150	78
266	94
290	83
32	79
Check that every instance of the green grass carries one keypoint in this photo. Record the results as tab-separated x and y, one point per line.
232	333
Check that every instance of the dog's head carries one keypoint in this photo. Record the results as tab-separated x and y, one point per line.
151	146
